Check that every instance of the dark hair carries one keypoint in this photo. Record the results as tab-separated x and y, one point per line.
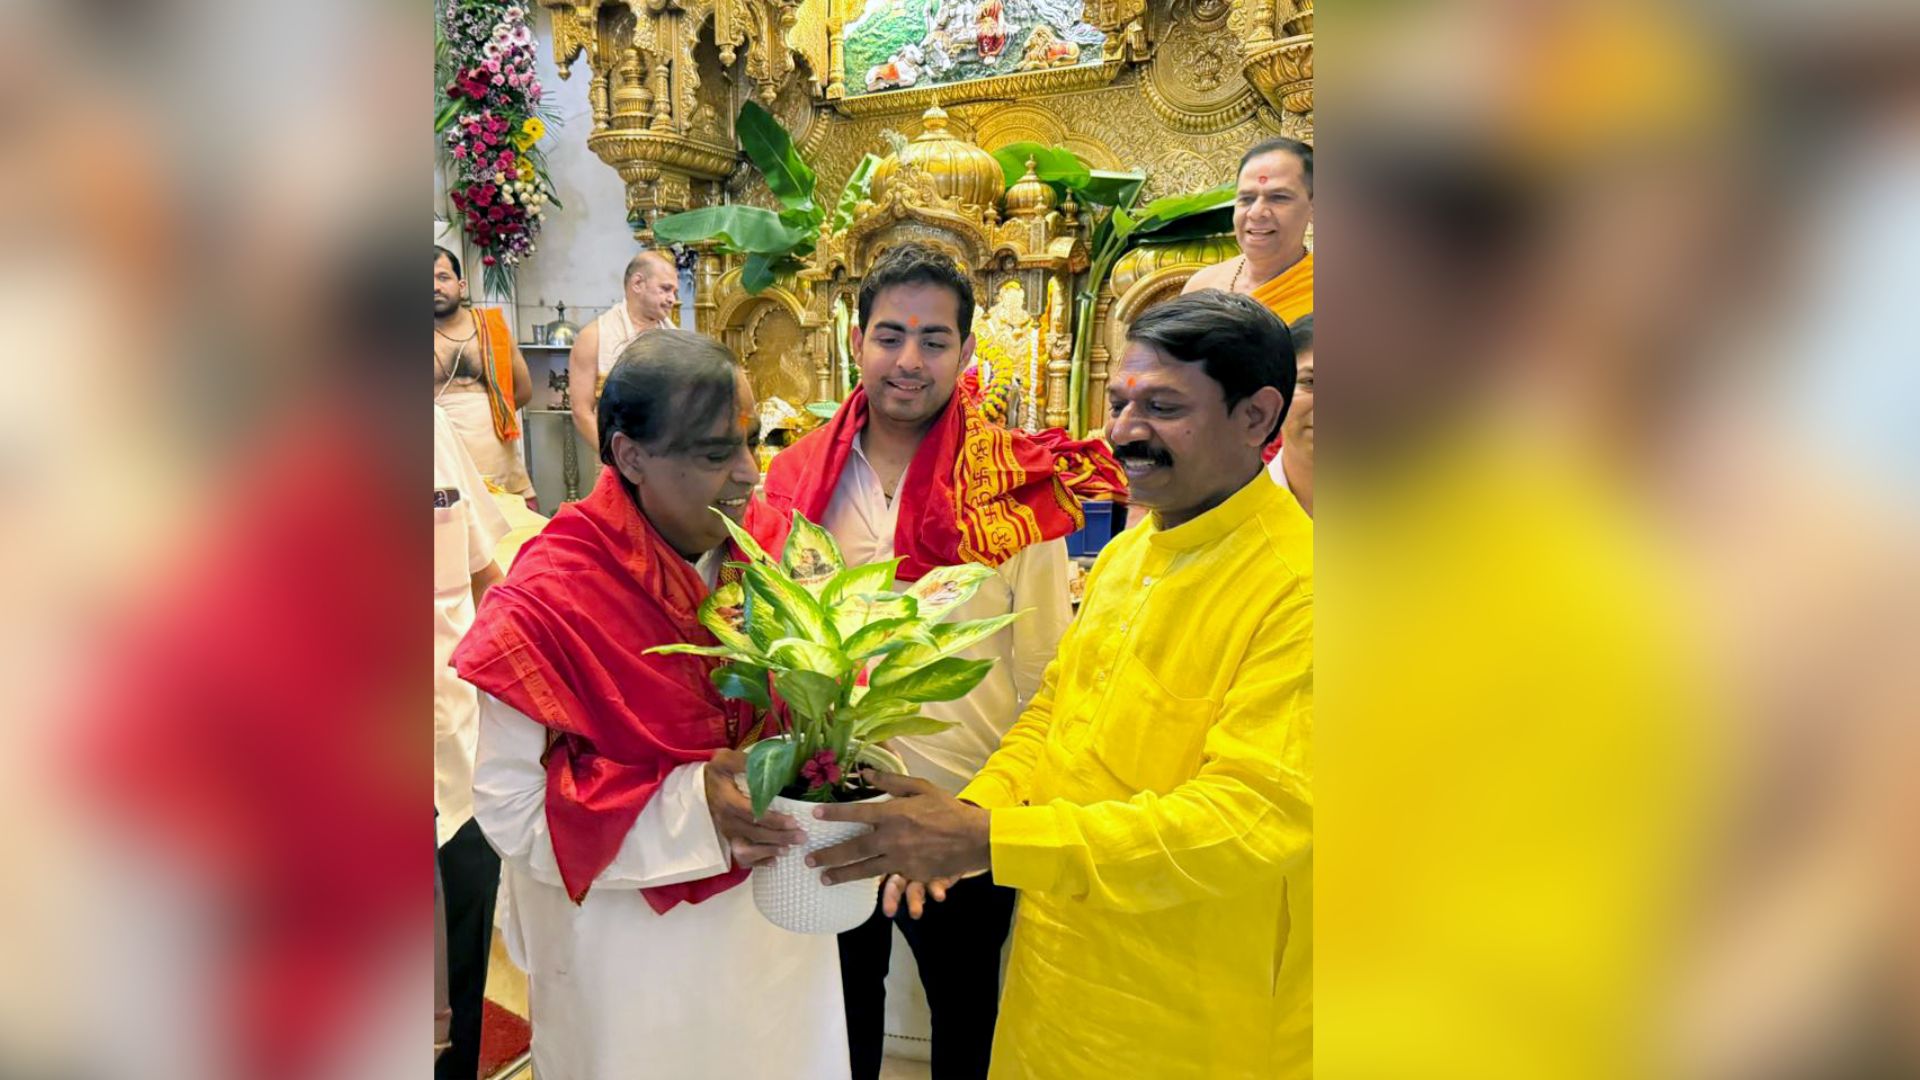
666	390
914	263
1238	342
452	259
1301	330
1292	146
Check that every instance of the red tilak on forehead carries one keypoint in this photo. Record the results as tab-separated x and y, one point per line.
913	320
1131	380
1263	178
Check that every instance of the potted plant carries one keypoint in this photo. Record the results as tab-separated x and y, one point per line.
846	663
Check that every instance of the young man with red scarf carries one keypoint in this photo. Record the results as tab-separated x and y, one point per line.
909	467
605	777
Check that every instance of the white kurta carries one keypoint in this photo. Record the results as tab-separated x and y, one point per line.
616	990
862	521
465	532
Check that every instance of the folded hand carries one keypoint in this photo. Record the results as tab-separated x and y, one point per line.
752	841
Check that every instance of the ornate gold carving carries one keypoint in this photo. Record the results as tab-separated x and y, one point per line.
1189	85
1283	73
1018	85
1301	21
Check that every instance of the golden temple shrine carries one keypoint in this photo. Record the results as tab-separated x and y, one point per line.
1171	90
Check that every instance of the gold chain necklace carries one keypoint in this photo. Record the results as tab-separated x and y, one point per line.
1241	269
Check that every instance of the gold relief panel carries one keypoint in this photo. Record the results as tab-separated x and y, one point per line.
1194	83
773	350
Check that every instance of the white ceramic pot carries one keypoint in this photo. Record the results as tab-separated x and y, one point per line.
788	891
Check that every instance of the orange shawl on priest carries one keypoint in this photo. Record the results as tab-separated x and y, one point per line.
496	369
1290	293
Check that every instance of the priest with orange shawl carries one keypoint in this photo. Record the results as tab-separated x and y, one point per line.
479	378
1271	213
606	778
910	468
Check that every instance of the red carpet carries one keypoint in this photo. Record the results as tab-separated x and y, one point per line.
504	1036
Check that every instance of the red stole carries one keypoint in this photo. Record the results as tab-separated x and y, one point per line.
563	641
974	491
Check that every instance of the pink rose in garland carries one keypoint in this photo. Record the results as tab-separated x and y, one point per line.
490	125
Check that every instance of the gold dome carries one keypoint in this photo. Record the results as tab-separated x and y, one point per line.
958	169
1147	258
1030	196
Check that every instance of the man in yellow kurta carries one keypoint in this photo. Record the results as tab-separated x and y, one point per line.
1153	805
1273	208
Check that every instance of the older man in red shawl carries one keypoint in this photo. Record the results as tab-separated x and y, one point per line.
910	468
605	776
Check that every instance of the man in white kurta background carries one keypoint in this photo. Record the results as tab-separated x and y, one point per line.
466	526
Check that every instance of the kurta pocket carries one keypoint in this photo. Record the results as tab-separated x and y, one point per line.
1150	738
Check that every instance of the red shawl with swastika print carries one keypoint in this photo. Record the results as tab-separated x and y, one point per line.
974	492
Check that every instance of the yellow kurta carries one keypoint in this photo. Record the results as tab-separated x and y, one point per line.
1290	294
1153	806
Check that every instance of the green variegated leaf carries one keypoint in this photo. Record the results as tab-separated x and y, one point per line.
770	767
799	654
851	614
950	638
794	605
916	724
724	614
947	588
810	693
746	541
743	682
879	709
942	680
884	636
855	580
811	557
762	621
691	650
880	757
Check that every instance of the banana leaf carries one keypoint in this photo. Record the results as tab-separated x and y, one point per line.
1162	212
771	765
751	229
771	150
1055	164
859	185
1107	188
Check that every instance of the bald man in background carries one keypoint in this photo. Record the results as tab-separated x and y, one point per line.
650	293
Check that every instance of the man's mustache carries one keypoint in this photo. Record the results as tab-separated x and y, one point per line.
1146	453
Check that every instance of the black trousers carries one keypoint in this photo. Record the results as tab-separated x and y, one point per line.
470	871
957	945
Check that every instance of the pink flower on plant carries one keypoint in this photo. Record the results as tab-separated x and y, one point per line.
820	770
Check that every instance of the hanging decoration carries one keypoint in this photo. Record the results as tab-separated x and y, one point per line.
490	123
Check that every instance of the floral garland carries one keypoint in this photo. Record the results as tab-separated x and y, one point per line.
996	394
489	122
